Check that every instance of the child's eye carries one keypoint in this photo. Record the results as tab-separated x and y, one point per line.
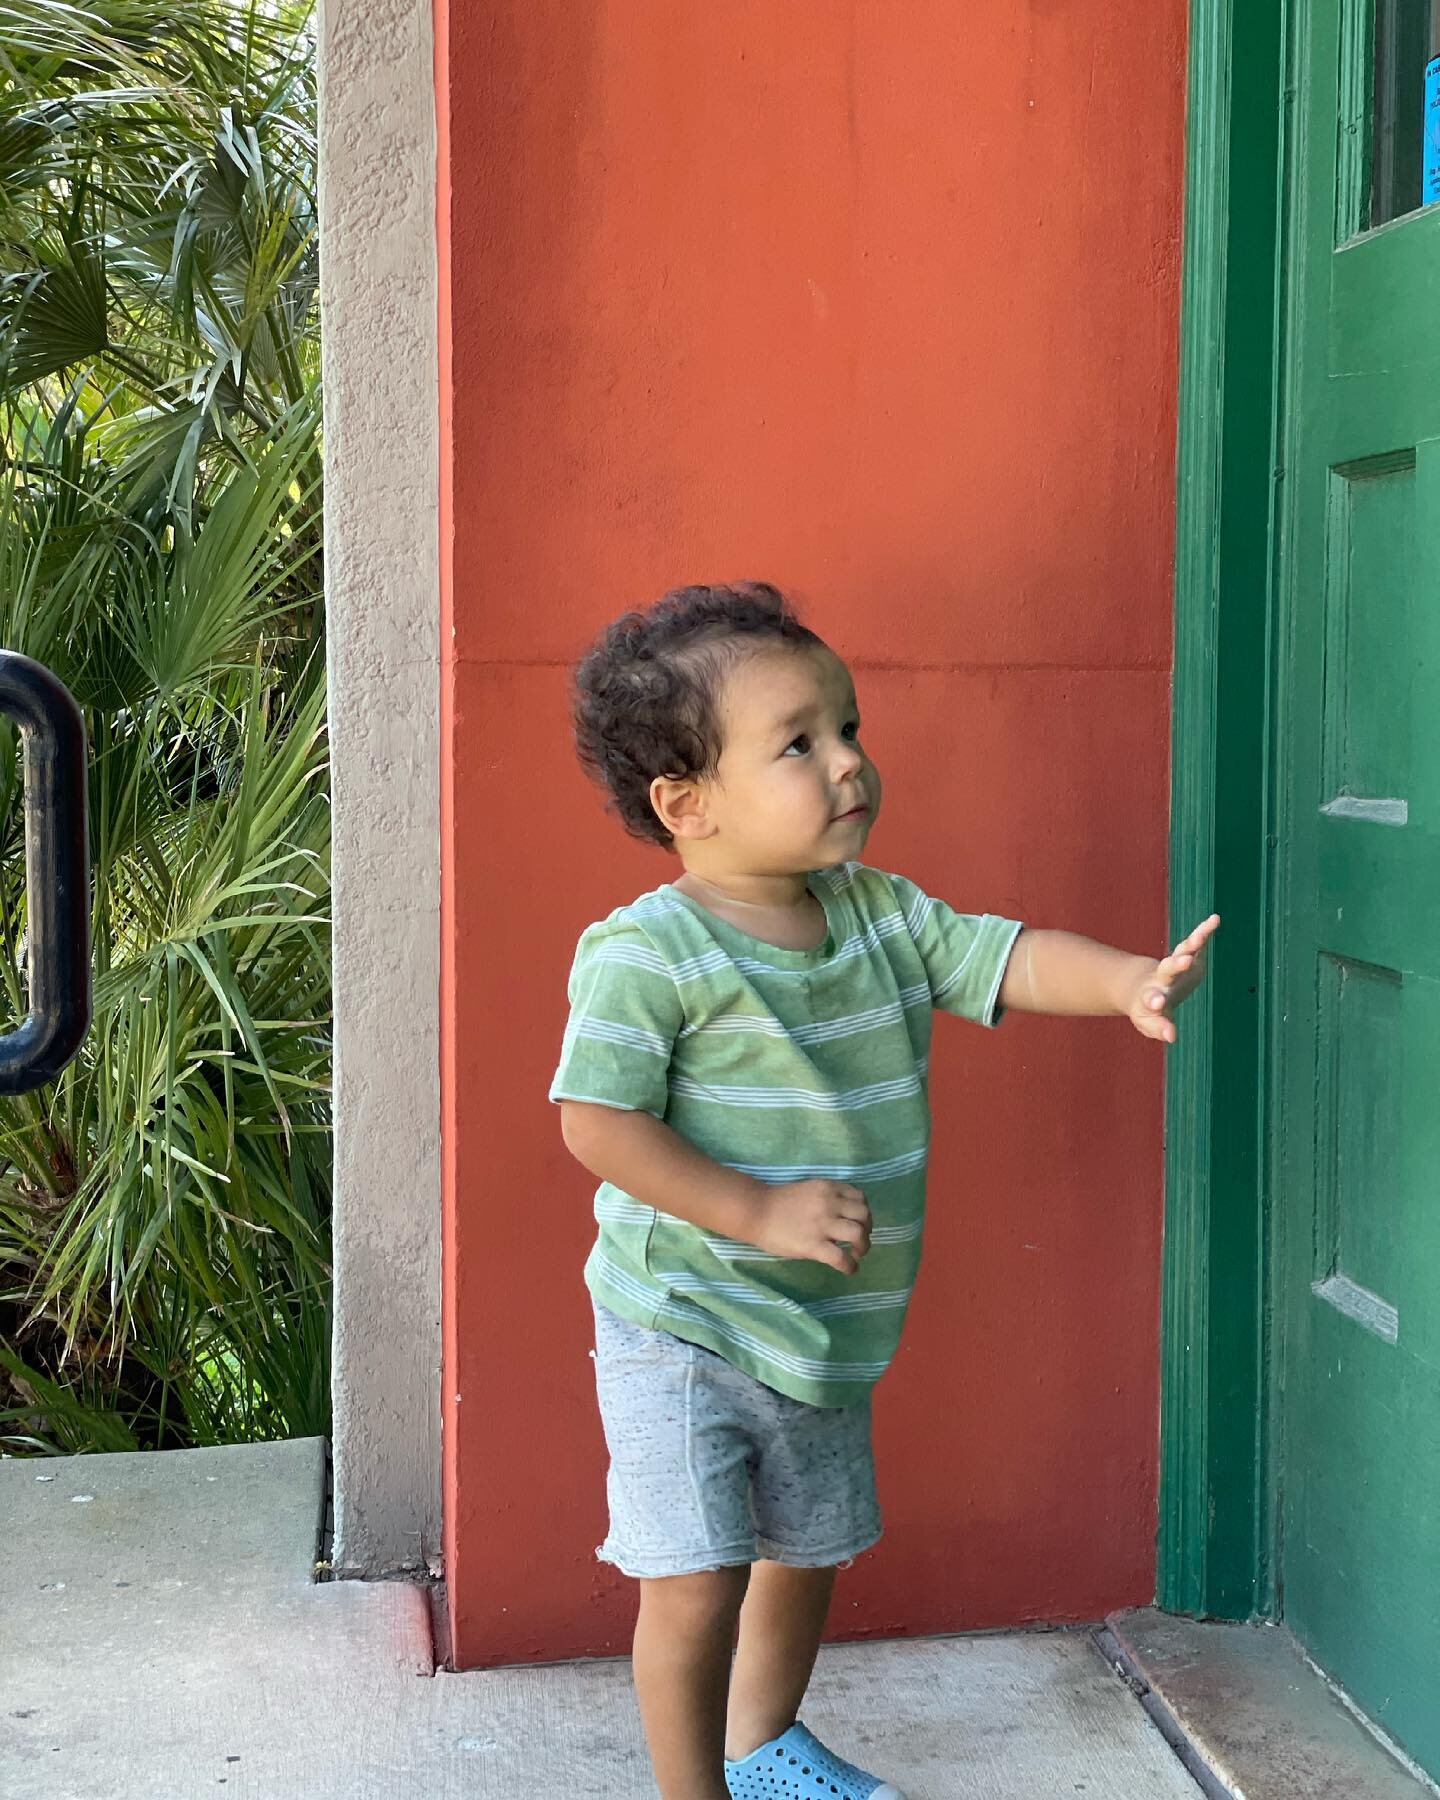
851	731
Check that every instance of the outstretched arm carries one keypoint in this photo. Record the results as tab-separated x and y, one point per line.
1060	972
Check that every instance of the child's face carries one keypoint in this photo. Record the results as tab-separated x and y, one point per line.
791	766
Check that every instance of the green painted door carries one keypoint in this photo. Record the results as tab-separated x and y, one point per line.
1357	1119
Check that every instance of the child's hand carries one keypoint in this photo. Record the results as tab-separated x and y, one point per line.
816	1221
1158	993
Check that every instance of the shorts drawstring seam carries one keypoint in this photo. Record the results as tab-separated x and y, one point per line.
695	1485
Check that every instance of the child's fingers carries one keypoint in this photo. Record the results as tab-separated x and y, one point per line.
1204	931
1175	976
1185	955
841	1256
856	1237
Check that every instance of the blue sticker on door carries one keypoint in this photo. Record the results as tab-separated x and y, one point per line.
1430	192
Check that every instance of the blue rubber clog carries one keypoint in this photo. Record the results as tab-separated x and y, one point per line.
798	1765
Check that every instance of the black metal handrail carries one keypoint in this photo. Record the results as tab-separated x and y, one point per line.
57	873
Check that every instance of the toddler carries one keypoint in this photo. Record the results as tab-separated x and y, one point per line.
744	1069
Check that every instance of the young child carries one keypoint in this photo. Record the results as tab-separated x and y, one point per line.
744	1069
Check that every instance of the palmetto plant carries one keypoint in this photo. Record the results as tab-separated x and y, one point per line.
164	1206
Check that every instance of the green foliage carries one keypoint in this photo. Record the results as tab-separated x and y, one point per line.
164	1206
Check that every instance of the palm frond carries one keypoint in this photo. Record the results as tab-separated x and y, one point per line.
164	1206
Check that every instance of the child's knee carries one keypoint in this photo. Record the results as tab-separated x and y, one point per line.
708	1599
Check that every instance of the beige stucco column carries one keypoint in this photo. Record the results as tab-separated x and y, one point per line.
378	288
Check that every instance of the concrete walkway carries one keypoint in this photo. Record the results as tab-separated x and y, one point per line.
161	1638
1247	1701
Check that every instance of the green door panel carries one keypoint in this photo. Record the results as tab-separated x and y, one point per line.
1370	337
1358	749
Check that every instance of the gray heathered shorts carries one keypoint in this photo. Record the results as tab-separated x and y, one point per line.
709	1466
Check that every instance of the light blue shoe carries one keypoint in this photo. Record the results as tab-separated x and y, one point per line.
798	1764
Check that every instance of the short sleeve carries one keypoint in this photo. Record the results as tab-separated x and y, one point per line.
625	1014
964	953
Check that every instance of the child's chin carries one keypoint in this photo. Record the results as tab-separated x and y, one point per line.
845	838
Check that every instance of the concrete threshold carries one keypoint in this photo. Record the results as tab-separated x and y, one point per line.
162	1637
1262	1721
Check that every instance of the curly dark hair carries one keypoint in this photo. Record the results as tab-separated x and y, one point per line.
647	693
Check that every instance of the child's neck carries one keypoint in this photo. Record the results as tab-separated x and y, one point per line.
756	893
789	924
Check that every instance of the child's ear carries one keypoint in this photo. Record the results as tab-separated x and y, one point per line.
680	806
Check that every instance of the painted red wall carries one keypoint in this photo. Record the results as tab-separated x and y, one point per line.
880	304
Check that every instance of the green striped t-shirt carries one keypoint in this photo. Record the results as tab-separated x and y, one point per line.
787	1064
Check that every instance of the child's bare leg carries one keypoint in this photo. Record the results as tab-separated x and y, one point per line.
683	1642
781	1624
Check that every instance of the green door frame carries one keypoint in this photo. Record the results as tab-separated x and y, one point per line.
1216	1529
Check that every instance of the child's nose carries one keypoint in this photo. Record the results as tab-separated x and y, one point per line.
848	758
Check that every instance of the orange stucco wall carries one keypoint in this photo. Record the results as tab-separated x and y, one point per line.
879	303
